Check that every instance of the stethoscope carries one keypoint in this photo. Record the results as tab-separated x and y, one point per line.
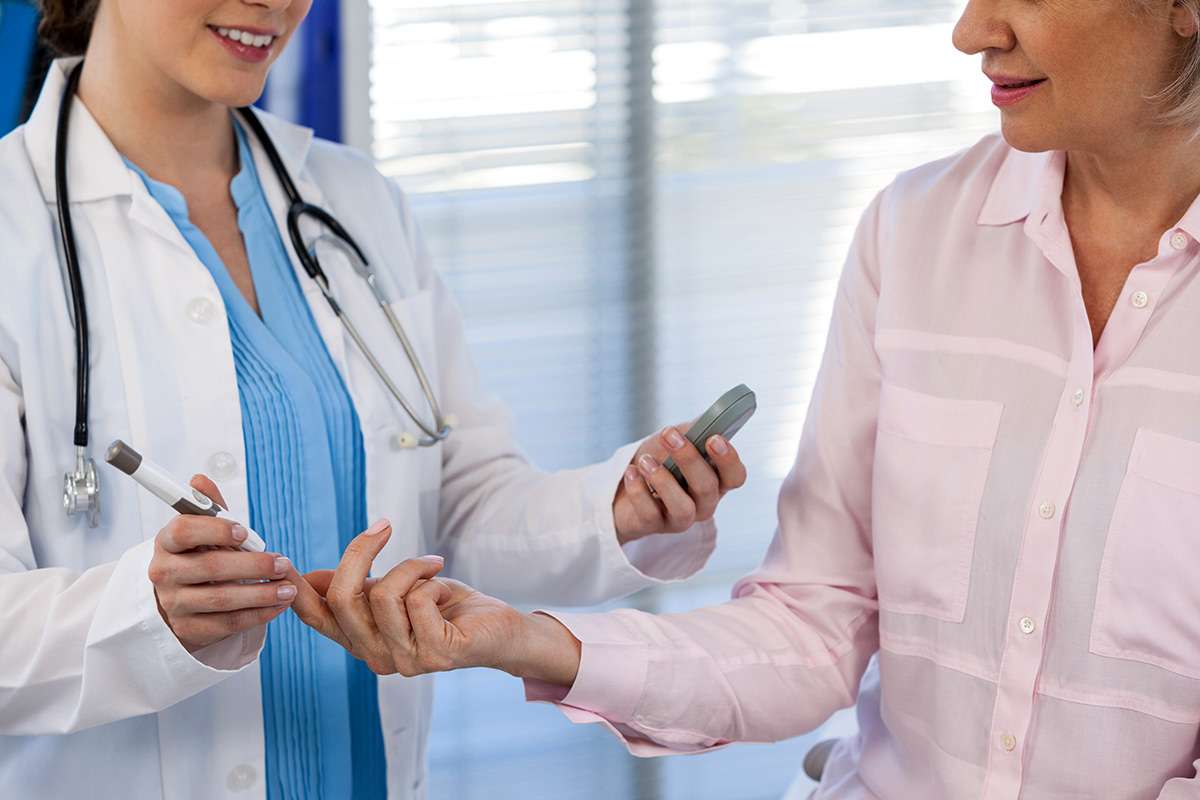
82	489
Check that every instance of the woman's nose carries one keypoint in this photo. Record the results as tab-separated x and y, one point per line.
983	27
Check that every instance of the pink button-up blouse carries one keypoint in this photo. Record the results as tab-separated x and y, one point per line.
1008	518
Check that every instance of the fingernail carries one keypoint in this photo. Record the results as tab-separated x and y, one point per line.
282	564
718	445
379	527
648	463
239	533
631	474
674	440
436	559
286	592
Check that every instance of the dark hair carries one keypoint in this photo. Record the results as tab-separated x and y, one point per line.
66	25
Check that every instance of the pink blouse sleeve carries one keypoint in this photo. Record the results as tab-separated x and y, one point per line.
790	647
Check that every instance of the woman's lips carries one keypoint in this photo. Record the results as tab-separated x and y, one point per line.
1007	93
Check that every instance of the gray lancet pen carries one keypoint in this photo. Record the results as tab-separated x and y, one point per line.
178	496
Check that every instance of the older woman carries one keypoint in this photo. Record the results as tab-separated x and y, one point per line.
998	486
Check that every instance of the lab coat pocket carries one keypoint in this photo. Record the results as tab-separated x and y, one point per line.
932	456
1147	593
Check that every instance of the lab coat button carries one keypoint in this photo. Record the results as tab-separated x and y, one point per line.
201	310
1027	625
1008	742
1140	299
1179	240
241	778
222	465
1077	398
1046	510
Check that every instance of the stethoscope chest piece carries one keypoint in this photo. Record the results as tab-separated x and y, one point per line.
81	490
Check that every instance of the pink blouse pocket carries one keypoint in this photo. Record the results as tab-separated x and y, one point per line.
1148	593
932	456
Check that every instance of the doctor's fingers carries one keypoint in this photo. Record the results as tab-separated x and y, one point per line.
209	489
311	608
205	629
214	566
224	597
189	532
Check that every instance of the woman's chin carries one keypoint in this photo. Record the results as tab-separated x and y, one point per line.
1021	135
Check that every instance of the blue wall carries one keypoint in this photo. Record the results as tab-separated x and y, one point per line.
18	31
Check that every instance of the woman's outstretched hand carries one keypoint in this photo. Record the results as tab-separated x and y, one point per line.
413	623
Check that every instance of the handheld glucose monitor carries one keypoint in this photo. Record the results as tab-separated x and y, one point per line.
724	418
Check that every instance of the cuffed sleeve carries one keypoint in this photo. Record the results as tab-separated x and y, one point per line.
80	649
85	649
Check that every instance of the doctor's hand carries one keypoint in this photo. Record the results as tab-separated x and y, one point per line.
409	621
197	572
650	500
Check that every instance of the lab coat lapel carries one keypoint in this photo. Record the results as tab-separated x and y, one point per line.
96	171
293	143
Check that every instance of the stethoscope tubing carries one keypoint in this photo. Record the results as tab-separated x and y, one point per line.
67	233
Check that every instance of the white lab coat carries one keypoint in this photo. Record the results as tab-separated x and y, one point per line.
97	697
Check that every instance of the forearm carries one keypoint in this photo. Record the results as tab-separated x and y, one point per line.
754	669
513	518
545	650
81	650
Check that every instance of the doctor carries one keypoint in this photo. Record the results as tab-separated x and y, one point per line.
132	655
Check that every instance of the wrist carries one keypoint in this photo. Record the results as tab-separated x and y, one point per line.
544	650
624	538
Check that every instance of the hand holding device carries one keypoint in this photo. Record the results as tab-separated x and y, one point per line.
723	418
159	483
211	578
651	499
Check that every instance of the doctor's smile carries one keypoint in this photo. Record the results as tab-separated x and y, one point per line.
246	43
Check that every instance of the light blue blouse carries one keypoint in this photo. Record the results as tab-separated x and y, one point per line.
303	450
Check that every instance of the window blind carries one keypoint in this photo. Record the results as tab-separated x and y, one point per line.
639	204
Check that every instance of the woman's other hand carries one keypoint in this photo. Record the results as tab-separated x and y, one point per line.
413	623
650	500
198	573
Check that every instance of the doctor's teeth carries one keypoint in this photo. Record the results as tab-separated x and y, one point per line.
246	38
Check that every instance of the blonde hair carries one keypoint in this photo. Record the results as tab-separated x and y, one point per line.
1180	98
